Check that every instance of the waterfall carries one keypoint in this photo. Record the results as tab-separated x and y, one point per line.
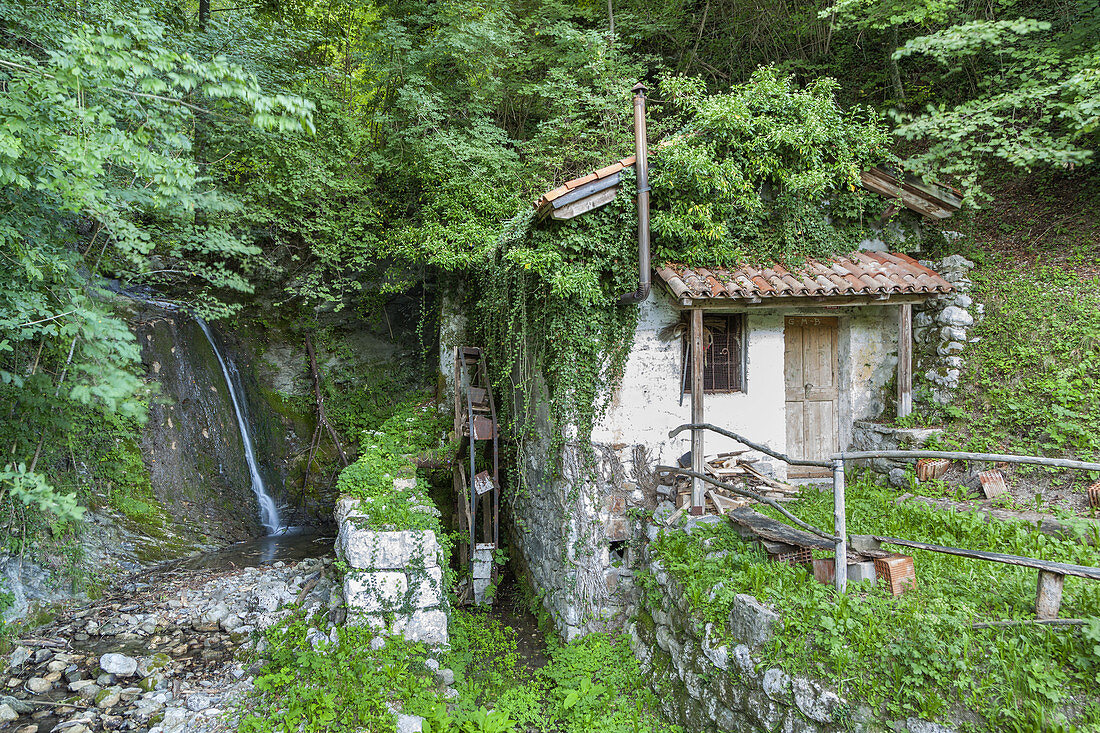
269	513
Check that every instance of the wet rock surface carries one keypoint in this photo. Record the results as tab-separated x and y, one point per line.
165	651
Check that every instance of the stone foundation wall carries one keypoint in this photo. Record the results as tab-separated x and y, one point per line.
569	524
871	436
709	686
394	578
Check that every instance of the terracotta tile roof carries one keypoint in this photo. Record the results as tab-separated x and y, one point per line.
568	186
877	275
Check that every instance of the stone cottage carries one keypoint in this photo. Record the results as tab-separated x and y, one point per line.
795	359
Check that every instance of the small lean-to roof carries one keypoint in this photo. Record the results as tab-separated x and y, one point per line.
608	174
934	201
860	275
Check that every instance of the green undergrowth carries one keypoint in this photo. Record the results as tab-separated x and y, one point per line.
917	654
386	454
592	684
587	685
334	687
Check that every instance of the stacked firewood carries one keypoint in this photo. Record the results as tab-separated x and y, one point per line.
733	469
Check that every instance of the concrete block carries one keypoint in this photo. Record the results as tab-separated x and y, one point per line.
861	571
375	550
428	626
374	592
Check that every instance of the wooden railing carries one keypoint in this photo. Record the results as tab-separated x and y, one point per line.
839	534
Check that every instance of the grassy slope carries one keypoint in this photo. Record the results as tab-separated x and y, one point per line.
1032	384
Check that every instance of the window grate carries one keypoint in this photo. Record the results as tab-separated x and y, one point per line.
723	355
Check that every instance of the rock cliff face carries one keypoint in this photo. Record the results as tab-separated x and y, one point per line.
191	443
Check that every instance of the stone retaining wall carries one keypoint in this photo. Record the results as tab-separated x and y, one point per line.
394	578
708	685
872	436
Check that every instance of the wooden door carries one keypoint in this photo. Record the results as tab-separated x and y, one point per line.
810	370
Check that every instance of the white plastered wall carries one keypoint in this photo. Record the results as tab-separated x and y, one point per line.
647	404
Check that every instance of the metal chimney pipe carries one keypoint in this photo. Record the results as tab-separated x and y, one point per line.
641	171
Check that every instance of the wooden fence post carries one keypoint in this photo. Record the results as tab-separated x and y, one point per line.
840	529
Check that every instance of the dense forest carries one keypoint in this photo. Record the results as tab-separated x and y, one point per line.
325	152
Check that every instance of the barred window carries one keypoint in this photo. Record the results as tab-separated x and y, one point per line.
723	354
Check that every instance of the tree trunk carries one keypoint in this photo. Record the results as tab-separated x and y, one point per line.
892	66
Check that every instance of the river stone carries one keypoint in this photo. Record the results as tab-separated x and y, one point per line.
198	701
20	706
231	623
175	718
955	262
118	664
409	723
148	666
953	315
38	685
216	614
7	714
19	656
108	698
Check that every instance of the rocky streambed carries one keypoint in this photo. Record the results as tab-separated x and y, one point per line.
165	651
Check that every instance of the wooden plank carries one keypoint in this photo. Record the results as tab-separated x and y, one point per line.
1048	597
776	531
697	359
840	529
854	455
821	431
905	360
675	515
588	203
1081	571
769	481
792	367
585	191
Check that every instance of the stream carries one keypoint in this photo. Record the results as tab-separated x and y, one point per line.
160	650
